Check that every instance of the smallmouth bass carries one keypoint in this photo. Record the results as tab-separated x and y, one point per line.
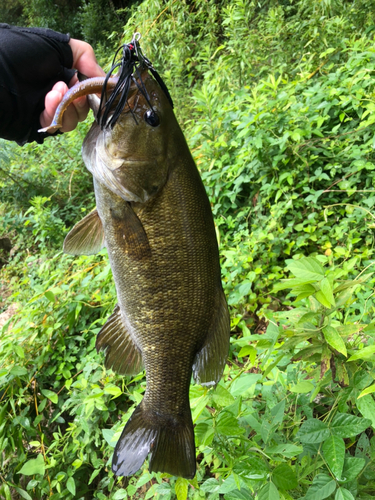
154	217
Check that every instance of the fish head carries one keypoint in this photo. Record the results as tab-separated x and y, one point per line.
133	158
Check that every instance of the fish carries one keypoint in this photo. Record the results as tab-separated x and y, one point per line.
154	217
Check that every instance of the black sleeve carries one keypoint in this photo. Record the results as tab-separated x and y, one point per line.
32	60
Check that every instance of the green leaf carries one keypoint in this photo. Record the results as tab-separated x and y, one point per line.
18	371
345	425
366	406
302	387
5	490
284	477
204	433
212	485
369	390
322	299
343	494
251	468
23	493
229	484
93	475
268	492
222	397
52	396
49	295
71	485
181	488
120	494
326	289
108	436
227	425
248	350
113	389
287	450
334	454
364	353
33	466
19	351
352	468
313	431
333	338
242	494
322	487
244	383
306	268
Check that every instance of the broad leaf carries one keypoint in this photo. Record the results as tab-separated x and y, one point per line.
369	390
244	383
313	431
306	268
33	466
333	338
326	289
71	485
345	425
23	493
334	454
322	487
268	492
120	494
222	397
365	353
366	405
181	488
284	477
242	494
323	299
352	467
212	485
302	387
204	433
343	494
227	425
52	396
113	390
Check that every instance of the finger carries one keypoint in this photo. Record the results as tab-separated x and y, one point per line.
51	101
70	119
82	108
84	58
76	112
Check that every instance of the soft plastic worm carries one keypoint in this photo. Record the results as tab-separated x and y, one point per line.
89	86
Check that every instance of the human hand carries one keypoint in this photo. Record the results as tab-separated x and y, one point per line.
85	62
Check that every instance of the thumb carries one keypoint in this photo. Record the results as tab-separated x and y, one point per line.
84	59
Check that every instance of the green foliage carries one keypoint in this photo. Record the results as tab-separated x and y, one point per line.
276	101
91	20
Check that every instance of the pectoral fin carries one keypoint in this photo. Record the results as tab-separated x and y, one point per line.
210	361
86	237
122	353
130	233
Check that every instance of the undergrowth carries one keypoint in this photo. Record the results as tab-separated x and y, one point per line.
276	100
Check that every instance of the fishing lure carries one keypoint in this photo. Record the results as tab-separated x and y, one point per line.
130	64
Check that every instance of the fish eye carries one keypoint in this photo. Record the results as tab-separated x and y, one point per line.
151	118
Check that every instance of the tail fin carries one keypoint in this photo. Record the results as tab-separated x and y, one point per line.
170	441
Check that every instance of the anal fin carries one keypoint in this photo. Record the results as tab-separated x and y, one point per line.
86	237
210	361
122	354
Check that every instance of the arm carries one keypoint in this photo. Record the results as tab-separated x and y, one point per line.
35	72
